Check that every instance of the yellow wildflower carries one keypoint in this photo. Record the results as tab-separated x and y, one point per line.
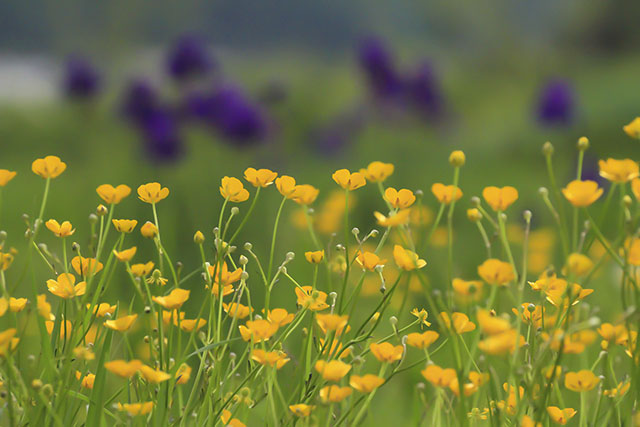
152	192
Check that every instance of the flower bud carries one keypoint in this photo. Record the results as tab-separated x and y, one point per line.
36	384
457	158
243	260
628	202
244	276
583	143
248	246
93	218
101	210
235	210
547	149
475	201
474	215
75	247
527	215
149	230
198	238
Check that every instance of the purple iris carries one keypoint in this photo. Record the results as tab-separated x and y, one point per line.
379	68
556	104
81	78
161	134
189	58
423	91
140	100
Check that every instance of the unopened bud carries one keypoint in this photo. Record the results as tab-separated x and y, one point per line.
75	247
475	201
543	191
198	238
235	210
93	218
243	260
527	215
101	210
248	246
547	148
583	143
474	215
457	158
36	384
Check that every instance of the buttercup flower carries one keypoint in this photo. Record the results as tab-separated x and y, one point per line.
122	368
280	317
64	286
332	322
304	194
102	309
334	370
349	180
369	260
125	255
467	291
153	375
6	176
149	230
236	310
399	199
496	272
459	321
422	316
228	421
633	128
141	270
313	300
314	257
393	220
366	383
258	330
122	324
386	352
446	193
578	264
49	167
583	380
189	325
124	225
134	409
438	376
491	324
152	192
500	198
111	194
232	189
422	340
334	393
377	171
406	259
286	185
61	230
183	374
260	177
619	170
582	193
174	300
270	358
16	305
87	381
560	416
86	266
301	410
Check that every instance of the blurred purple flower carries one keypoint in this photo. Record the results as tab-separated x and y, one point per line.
556	104
189	58
140	100
334	137
161	135
424	92
379	68
81	78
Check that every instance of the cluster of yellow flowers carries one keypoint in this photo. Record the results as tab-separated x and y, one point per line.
510	344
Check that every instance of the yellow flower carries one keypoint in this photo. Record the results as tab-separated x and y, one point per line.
4	306
174	300
189	325
113	195
314	257
534	316
467	291
578	264
438	376
102	309
349	180
386	352
583	380
366	383
44	308
141	270
6	176
461	322
582	193
260	177
122	324
474	215
619	170
369	260
87	380
258	330
271	358
61	230
491	324
457	158
230	422
232	189
633	128
399	199
422	340
632	247
399	218
334	393
236	310
125	255
86	266
49	167
280	317
124	225
153	375
635	188
560	416
500	198
301	410
422	316
134	409
16	305
122	368
377	171
152	192
65	328
304	194
84	353
619	391
446	193
6	259
183	374
313	300
332	322
406	259
286	185
64	286
616	334
496	272
149	230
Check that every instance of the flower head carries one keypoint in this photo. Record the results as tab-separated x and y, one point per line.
141	270
152	192
369	260
304	194
280	317
619	170
633	128
399	199
438	376
258	330
406	259
422	340
314	257
301	410
174	300
582	193
365	383
81	78
314	300
496	272
349	180
334	393
86	266
124	369
377	171
6	176
153	375
149	230
111	194
232	189
125	255
393	220
459	321
333	370
500	198
386	352
446	193
64	286
124	225
122	324
270	358
61	230
583	380
260	177
49	167
560	416
133	409
332	322
286	185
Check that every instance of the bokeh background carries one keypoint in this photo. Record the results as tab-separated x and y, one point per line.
187	92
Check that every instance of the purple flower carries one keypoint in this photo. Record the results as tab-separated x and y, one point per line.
335	136
378	65
423	91
189	59
81	79
556	103
161	134
140	100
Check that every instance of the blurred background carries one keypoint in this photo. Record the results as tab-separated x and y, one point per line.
187	92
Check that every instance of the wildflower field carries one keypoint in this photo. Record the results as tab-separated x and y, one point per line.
369	302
